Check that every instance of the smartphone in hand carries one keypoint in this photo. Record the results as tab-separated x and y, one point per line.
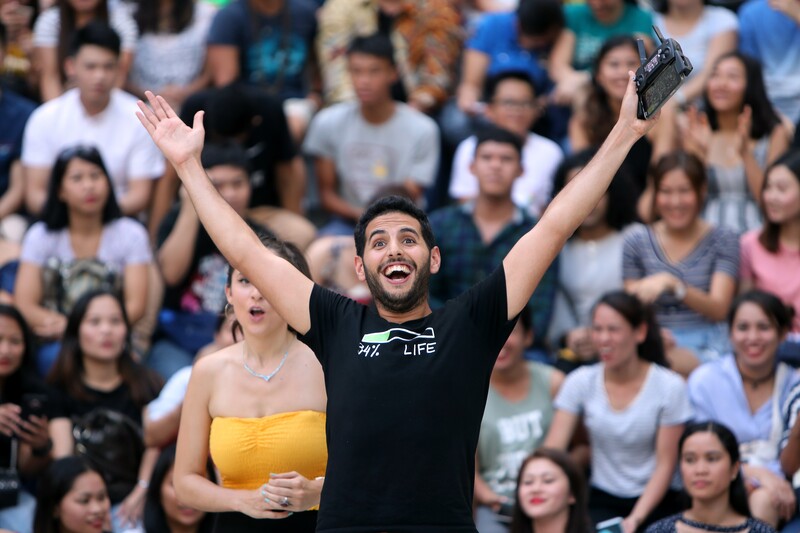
33	405
612	525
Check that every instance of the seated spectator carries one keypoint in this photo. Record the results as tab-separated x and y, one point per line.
193	269
248	117
162	417
426	35
518	41
72	497
551	491
712	477
589	265
634	409
705	33
683	265
269	45
359	147
518	412
745	391
514	106
588	26
16	66
14	113
597	105
770	32
93	112
736	138
163	513
171	52
24	434
52	36
770	256
95	370
82	222
790	448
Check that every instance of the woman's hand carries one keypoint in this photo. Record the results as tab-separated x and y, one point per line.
254	504
132	507
696	132
781	494
579	340
650	288
177	141
292	492
630	524
51	327
35	432
9	419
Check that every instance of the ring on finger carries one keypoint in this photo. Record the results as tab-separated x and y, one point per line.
284	502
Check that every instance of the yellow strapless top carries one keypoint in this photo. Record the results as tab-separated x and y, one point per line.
247	450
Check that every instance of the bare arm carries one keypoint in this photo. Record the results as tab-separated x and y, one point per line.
61	433
28	298
528	260
568	80
162	431
666	457
790	456
135	291
329	197
36	180
473	74
277	280
223	64
291	183
175	254
50	85
722	43
166	191
561	429
12	200
712	304
137	199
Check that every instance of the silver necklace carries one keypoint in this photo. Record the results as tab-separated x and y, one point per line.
258	375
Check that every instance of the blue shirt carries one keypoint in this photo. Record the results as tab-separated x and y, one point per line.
14	113
497	36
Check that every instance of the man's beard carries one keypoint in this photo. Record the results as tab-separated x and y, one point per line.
404	302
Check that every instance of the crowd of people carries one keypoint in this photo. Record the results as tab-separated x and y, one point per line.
397	265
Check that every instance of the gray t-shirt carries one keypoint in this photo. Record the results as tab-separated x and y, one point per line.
624	442
371	156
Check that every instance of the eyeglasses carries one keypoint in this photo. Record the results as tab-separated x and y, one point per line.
520	105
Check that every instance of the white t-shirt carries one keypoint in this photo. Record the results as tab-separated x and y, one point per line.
171	395
128	151
48	25
368	156
532	190
623	442
173	58
713	21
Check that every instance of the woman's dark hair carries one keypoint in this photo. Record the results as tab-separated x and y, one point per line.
636	313
56	482
621	191
67	371
770	233
55	214
15	384
765	118
286	250
148	16
737	495
155	520
68	24
690	164
579	521
779	314
599	115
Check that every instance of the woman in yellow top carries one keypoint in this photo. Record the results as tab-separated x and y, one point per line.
258	408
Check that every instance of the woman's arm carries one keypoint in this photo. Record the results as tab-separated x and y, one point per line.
666	457
61	433
132	507
135	290
473	73
28	294
50	85
720	44
161	431
568	80
713	304
561	429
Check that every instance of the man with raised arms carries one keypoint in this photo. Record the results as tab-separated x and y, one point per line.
406	385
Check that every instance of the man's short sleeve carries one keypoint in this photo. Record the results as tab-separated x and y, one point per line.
37	148
227	26
748	32
146	161
327	310
462	183
320	138
426	153
486	34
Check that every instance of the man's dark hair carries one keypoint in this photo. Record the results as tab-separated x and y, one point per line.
494	82
377	45
230	110
95	33
229	154
497	134
538	17
391	204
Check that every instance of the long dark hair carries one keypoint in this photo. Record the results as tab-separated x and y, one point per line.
737	495
67	371
14	385
779	314
55	214
155	520
579	521
621	196
765	118
148	17
56	482
636	313
770	233
68	24
600	117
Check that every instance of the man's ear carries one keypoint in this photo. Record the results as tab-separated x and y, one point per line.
69	67
359	264
436	260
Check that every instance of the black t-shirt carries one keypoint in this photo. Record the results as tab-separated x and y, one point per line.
405	403
268	143
118	400
28	384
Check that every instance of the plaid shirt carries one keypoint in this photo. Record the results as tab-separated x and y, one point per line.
466	260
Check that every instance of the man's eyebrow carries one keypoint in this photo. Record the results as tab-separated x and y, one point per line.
376	232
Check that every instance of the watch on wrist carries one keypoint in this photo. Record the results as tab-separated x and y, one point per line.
680	291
